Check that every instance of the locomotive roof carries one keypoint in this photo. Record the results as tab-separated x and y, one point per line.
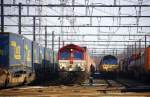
72	46
109	56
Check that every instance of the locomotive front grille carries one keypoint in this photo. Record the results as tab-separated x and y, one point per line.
109	67
76	66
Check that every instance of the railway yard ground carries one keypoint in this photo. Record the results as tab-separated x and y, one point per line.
98	87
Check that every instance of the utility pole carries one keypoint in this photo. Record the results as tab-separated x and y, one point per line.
62	2
59	42
115	2
34	37
132	46
45	48
45	37
140	50
145	41
63	43
135	48
53	49
145	45
2	15
135	53
19	23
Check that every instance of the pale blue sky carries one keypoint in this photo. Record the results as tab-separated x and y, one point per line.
84	21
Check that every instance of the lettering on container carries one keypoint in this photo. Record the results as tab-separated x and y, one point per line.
17	52
28	53
1	52
35	56
47	56
41	54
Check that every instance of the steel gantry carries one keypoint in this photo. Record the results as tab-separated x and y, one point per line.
81	5
76	26
81	16
92	34
20	16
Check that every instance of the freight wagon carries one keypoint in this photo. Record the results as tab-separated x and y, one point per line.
15	59
23	60
137	65
35	55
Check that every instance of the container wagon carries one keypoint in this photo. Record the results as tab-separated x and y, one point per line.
138	65
15	60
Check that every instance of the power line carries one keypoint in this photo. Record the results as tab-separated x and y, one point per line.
81	16
92	34
113	45
62	5
96	41
74	26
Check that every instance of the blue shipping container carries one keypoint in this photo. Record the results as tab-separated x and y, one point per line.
4	50
42	56
15	52
36	53
27	52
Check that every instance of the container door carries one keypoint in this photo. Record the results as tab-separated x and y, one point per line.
4	50
16	52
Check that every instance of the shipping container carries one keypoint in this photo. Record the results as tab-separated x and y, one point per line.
4	48
41	57
16	59
36	55
27	52
47	58
55	57
16	52
11	51
48	54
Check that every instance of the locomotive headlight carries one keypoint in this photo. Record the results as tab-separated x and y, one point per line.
62	65
105	67
81	66
78	64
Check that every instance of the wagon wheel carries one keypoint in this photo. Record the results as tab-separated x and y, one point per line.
25	81
7	80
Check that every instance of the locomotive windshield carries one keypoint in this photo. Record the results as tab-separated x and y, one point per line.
65	55
109	60
78	55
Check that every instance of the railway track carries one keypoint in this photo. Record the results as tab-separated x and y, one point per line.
105	85
70	91
102	87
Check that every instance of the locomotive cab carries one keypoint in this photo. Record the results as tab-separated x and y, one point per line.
71	59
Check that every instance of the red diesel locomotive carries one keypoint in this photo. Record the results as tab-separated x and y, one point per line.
74	63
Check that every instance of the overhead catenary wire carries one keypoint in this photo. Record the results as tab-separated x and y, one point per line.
59	5
97	6
81	16
146	26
